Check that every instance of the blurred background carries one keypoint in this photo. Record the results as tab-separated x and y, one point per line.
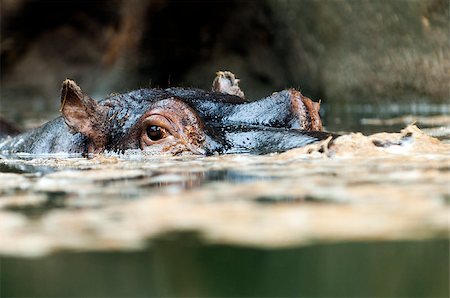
388	57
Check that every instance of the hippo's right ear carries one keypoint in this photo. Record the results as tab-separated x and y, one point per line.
83	114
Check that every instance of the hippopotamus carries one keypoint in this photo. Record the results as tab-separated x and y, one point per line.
175	120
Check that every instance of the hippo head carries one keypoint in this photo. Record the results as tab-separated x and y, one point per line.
178	120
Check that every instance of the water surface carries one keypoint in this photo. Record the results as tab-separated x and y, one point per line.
368	218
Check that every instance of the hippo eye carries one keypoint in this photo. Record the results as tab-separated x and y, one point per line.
156	128
156	133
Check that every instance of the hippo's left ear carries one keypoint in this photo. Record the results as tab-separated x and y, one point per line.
83	114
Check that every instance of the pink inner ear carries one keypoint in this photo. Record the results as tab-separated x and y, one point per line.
83	114
316	106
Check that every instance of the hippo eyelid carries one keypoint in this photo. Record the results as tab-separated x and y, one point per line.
158	120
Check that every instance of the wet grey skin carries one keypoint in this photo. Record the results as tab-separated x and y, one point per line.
230	124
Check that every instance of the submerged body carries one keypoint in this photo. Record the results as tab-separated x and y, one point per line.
175	120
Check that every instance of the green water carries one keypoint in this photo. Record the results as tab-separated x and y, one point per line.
183	266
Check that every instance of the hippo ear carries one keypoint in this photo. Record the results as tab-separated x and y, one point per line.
83	114
316	105
227	83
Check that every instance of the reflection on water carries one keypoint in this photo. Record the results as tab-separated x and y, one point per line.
24	168
182	266
120	188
